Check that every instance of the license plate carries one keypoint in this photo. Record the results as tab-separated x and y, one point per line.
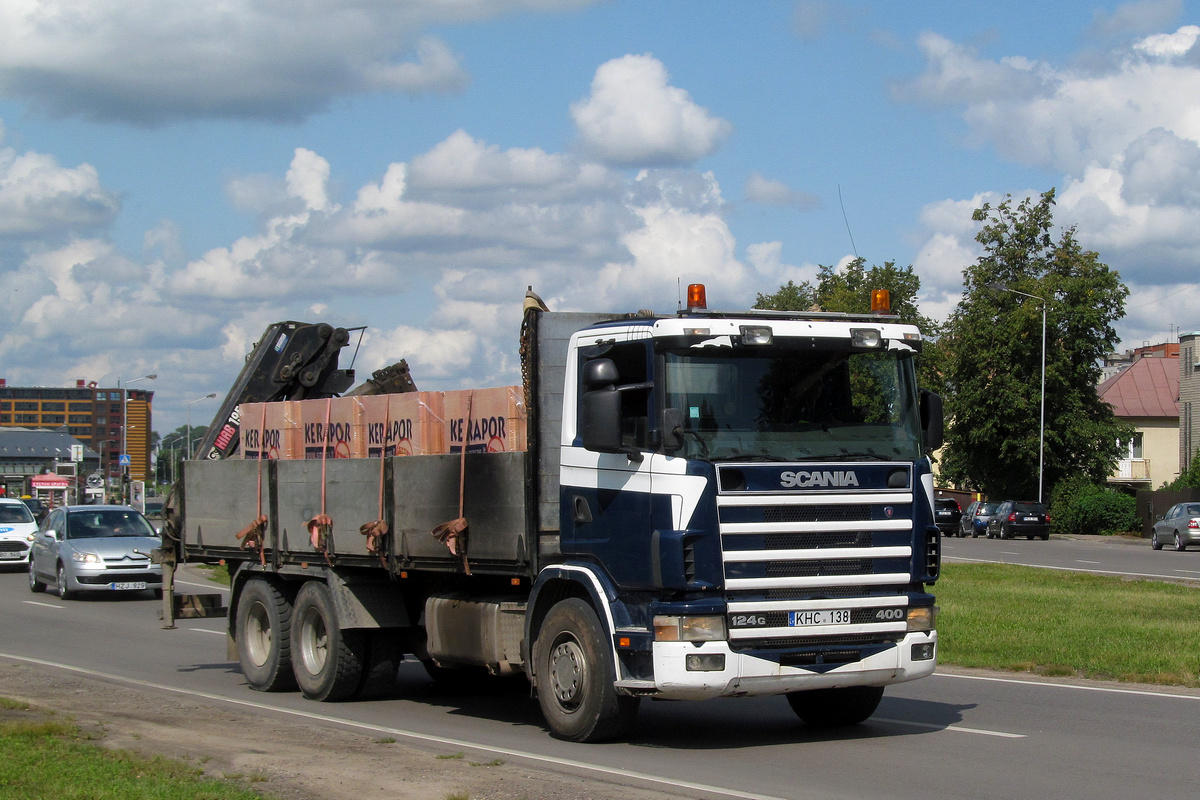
1033	519
801	619
8	555
129	585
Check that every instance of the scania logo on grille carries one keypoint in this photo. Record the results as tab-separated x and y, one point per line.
826	478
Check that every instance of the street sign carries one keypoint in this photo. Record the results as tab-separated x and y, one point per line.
77	453
126	460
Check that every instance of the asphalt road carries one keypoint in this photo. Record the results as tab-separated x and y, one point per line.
951	735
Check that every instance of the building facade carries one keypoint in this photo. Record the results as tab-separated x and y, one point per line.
1189	398
91	414
1145	394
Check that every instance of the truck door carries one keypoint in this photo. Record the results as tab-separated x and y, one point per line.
606	497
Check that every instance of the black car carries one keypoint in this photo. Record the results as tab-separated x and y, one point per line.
946	515
1015	518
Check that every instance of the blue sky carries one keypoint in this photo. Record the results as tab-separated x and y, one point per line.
176	176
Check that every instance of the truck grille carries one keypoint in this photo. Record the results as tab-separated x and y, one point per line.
842	558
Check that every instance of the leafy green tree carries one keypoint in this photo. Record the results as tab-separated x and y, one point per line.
994	338
849	291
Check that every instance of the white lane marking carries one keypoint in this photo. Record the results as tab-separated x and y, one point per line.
958	728
672	783
43	605
1109	689
214	586
1192	571
1068	569
206	630
1084	561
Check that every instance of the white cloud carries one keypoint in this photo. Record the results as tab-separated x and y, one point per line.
113	60
41	199
1167	45
635	117
771	192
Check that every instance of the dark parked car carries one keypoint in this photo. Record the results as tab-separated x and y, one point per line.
1180	526
36	507
975	518
946	514
1015	518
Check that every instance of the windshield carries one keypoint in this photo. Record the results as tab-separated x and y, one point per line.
15	512
808	399
107	523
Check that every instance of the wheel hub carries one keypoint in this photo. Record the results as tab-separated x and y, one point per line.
566	672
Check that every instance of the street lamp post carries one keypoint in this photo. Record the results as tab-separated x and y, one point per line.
125	431
1000	287
208	396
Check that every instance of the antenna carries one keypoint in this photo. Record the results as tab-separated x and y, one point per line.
847	220
678	293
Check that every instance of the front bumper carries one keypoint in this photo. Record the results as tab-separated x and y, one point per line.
746	674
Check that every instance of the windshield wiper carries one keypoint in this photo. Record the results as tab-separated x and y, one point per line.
867	455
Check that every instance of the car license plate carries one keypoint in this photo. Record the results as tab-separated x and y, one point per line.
9	555
1033	519
129	585
801	619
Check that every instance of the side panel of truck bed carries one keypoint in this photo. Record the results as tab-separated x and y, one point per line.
220	498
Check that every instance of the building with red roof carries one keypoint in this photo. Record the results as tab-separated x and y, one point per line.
1146	395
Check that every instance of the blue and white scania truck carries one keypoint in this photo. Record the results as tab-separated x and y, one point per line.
710	504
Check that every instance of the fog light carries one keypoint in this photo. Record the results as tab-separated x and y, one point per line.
922	652
922	618
865	337
705	662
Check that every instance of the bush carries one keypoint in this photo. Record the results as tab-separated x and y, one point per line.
1189	479
1079	506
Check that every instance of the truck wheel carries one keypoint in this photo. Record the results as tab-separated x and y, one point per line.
264	620
327	661
575	677
836	708
384	653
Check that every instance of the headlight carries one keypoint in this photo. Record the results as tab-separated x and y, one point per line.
922	618
689	629
86	558
865	337
756	334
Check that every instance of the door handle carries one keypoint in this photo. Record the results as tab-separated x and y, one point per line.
581	511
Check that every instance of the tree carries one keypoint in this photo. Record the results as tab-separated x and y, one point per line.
994	339
849	291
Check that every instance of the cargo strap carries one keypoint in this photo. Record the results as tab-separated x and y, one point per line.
376	532
320	527
453	534
253	536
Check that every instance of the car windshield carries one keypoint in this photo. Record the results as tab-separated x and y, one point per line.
107	523
1029	508
15	512
799	399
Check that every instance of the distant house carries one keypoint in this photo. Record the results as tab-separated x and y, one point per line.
1146	395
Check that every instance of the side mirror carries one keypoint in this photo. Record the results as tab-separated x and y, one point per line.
932	421
672	423
600	409
52	534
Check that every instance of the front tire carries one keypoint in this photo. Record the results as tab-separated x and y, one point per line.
326	660
1155	544
836	708
63	592
264	620
575	677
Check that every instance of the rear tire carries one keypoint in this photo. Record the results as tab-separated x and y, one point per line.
34	584
264	619
326	660
836	708
575	676
1179	545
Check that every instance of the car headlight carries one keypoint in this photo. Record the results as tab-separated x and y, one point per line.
86	558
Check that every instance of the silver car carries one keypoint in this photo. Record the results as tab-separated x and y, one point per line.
1180	526
95	549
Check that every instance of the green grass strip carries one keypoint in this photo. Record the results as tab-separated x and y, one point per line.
47	758
1052	622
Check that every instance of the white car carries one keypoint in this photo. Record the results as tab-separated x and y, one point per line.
17	528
